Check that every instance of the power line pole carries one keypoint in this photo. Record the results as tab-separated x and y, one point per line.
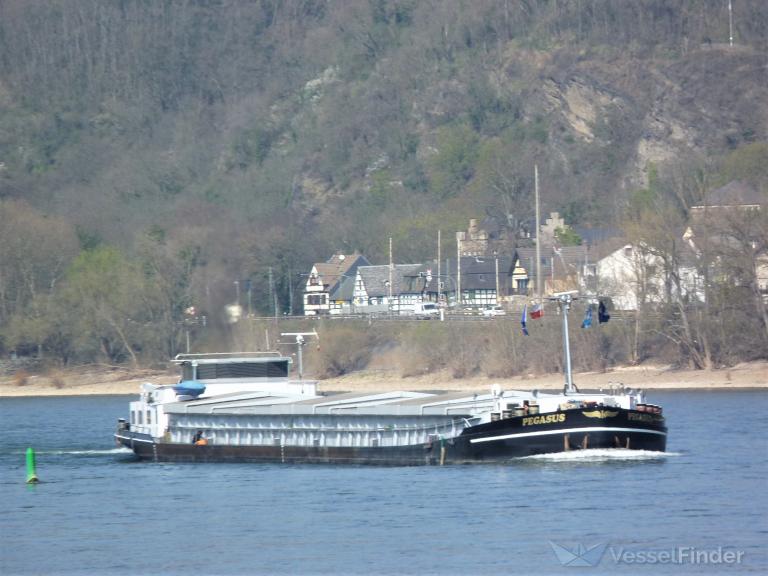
538	235
458	270
250	298
272	294
439	292
730	24
391	268
290	292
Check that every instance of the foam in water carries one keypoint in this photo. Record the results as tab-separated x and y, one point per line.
601	455
121	450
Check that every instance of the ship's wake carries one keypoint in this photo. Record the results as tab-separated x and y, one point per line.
602	455
120	450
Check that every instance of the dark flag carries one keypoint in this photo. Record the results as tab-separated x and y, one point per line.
602	313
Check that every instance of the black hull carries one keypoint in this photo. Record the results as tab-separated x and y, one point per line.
497	441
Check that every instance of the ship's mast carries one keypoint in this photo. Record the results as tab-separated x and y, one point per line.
564	300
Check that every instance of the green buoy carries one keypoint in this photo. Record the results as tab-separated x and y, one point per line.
31	467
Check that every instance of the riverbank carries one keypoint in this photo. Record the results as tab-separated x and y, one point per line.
748	375
92	381
82	381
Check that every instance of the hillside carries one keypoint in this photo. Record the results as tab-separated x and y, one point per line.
223	141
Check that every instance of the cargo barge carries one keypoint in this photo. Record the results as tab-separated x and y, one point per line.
244	407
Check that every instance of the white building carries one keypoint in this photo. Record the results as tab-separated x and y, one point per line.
632	274
329	284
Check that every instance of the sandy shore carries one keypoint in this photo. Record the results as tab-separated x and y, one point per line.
85	381
751	375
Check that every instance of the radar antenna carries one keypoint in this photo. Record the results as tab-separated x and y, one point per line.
299	345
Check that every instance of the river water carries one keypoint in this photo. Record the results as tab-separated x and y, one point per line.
701	508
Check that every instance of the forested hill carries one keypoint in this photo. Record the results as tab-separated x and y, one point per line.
209	141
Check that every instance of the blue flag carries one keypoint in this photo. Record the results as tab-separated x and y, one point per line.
602	313
524	319
587	322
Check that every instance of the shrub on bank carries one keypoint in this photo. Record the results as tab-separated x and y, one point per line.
343	348
496	348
